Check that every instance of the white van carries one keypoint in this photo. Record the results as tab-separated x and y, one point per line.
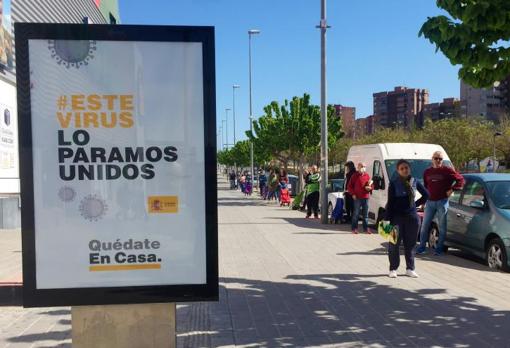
381	160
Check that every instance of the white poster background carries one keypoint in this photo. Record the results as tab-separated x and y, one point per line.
167	83
9	164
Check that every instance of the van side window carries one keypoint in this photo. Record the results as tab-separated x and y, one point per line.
377	176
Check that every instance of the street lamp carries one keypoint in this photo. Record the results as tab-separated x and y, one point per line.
234	87
250	33
222	133
496	134
226	122
324	121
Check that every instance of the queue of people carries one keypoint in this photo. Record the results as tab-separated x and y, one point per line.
439	183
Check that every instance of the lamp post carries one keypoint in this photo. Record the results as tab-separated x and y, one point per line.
222	133
250	33
234	87
496	134
324	120
226	123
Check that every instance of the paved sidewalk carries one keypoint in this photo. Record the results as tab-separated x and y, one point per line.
287	281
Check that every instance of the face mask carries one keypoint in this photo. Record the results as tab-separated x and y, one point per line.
363	170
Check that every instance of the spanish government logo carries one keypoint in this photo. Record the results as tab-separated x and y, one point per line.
72	53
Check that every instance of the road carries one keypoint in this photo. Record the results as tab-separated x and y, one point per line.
287	281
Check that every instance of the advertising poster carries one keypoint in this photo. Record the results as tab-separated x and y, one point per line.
8	133
119	163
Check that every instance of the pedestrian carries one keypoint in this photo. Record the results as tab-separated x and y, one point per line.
273	184
242	182
360	187
350	169
232	180
401	212
313	196
262	184
441	181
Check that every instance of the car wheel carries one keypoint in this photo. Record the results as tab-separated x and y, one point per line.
433	236
496	255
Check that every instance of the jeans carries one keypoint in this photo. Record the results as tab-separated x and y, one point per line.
361	203
431	209
408	226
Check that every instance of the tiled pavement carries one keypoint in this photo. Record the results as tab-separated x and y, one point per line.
287	281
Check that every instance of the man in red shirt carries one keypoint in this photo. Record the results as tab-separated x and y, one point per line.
359	187
440	181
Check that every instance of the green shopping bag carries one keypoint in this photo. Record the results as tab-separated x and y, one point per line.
388	231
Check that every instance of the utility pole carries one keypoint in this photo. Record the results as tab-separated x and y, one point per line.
250	33
324	118
234	87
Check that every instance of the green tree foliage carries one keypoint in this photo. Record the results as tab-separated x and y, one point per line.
475	36
239	155
292	131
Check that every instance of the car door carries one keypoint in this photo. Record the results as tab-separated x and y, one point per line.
473	216
455	212
378	197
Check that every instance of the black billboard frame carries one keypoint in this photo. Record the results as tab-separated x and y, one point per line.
33	297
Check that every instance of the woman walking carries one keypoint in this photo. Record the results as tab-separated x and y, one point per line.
401	212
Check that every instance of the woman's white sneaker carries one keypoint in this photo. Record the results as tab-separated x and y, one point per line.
393	274
412	274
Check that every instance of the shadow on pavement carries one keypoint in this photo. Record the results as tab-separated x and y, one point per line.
312	224
335	309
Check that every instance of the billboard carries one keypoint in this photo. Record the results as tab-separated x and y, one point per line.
117	154
6	42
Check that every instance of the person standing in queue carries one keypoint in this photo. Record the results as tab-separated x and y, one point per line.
360	187
440	181
350	169
401	212
312	190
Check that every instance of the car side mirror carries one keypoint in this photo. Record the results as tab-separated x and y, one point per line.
378	183
477	204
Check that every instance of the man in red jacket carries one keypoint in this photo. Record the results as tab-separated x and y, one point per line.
359	187
440	181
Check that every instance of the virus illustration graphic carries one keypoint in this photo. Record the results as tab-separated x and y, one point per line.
93	207
72	53
66	194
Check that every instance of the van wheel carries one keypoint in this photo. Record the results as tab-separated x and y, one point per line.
496	255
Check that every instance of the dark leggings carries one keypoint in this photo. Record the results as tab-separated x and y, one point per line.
408	233
312	202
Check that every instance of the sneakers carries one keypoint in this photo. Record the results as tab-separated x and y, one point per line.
368	231
411	273
307	217
393	274
355	231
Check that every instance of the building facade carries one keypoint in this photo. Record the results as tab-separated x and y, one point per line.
401	107
365	126
43	11
448	108
348	116
486	102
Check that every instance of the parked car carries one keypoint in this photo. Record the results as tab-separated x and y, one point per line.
381	160
479	219
335	191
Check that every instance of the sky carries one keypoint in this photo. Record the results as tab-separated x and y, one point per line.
372	46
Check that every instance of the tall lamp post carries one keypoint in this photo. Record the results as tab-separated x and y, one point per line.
226	122
250	33
323	26
222	133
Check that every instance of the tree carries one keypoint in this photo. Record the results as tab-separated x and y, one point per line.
292	131
475	37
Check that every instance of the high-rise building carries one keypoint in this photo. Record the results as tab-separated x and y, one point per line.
364	126
485	102
401	107
448	108
348	116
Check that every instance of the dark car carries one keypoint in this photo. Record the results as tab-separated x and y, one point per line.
479	219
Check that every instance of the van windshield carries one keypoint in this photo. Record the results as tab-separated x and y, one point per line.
418	166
